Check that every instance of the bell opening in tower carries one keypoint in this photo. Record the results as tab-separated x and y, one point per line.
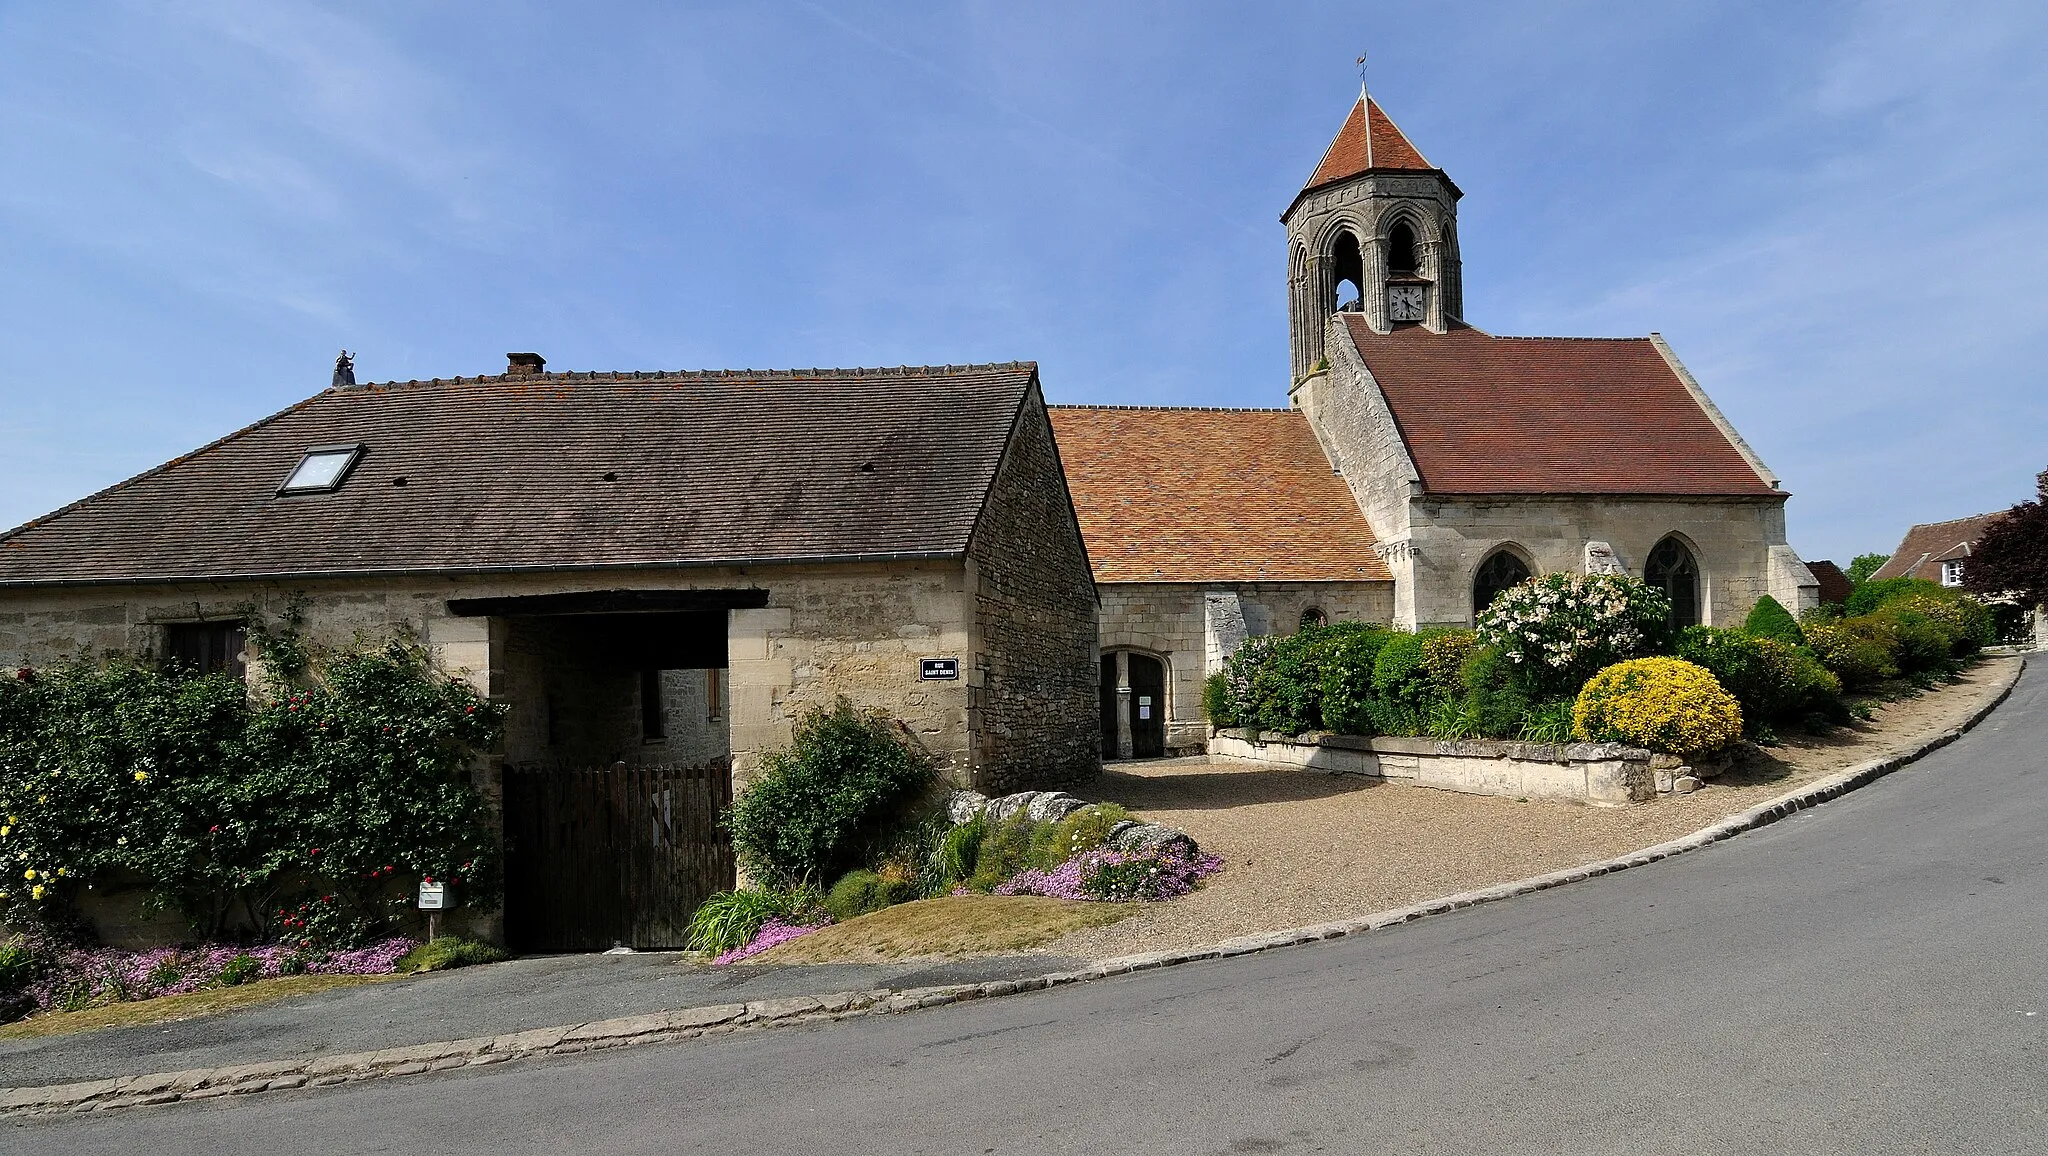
1401	250
1347	264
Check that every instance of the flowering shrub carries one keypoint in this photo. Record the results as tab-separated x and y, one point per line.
1560	628
1117	876
72	978
1666	704
242	813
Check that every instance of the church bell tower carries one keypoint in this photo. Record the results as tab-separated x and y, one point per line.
1375	232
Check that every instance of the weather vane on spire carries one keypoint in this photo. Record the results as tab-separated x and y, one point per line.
1361	76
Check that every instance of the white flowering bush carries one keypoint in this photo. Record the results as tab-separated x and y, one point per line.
1559	630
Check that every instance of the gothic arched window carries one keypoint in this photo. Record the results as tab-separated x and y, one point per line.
1347	263
1501	570
1671	568
1401	249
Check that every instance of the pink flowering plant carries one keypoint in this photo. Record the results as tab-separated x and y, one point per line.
1109	876
1559	630
46	977
771	934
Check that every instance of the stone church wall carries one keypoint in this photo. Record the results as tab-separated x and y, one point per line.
1174	622
1731	540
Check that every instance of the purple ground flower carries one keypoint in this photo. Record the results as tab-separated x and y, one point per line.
84	977
1117	876
772	932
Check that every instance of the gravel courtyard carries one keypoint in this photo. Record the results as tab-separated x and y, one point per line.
1302	847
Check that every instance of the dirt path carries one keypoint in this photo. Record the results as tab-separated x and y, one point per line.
1303	847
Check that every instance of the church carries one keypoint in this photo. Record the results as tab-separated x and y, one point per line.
1420	466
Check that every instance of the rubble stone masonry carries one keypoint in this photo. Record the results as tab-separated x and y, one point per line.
1034	687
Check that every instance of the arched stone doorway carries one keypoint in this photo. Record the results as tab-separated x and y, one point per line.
1672	569
1133	689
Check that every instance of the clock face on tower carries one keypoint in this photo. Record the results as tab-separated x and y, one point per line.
1405	302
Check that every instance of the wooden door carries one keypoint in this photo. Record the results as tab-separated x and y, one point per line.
597	857
1148	707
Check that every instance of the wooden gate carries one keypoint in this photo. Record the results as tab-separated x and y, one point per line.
597	857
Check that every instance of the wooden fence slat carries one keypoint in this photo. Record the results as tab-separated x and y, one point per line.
619	854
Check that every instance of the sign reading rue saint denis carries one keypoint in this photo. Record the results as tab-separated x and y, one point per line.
938	668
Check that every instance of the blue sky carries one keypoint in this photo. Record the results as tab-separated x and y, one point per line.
1832	210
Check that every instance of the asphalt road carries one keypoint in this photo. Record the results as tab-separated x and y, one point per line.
1866	977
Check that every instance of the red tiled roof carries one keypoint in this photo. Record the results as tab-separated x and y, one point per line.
1369	140
1834	585
562	471
1928	545
1210	495
1549	415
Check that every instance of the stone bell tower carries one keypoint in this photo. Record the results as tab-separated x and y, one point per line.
1375	231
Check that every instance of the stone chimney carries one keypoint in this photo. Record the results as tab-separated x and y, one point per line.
525	365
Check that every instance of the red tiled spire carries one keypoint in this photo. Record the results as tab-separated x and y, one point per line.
1369	140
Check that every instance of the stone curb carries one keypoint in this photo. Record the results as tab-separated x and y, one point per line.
690	1023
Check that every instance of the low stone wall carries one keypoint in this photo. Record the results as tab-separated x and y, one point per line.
1604	774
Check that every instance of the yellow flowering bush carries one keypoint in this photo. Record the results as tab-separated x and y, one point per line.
1665	704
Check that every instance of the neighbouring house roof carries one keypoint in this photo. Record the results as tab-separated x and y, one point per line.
1210	495
1834	585
562	471
1368	140
1553	415
1928	545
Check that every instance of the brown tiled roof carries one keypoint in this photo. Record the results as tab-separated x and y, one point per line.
1368	140
1834	585
1210	495
512	473
1550	415
1928	545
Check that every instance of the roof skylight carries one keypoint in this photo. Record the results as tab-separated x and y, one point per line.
323	468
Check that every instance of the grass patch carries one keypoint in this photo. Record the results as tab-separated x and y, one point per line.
448	951
951	925
190	1005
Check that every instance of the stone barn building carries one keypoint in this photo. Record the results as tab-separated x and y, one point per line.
1422	467
646	566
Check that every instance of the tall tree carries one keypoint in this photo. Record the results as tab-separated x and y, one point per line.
1863	566
2012	556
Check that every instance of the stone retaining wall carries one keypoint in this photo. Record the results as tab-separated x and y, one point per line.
1604	774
